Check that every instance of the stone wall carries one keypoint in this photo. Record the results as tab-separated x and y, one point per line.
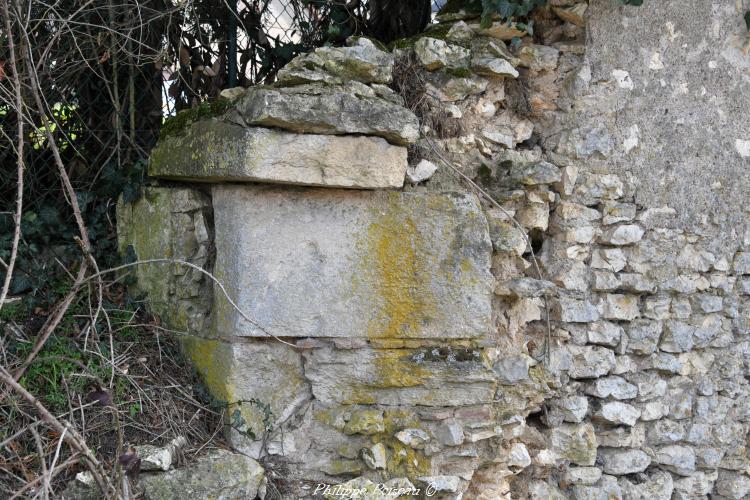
576	329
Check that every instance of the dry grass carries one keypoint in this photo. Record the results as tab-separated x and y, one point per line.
132	361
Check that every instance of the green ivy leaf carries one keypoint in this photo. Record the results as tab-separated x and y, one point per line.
506	9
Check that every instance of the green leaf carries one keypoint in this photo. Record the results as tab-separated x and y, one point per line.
506	9
237	419
747	19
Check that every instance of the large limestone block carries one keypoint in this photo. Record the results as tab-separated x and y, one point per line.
214	151
326	109
262	379
429	376
357	264
168	223
221	475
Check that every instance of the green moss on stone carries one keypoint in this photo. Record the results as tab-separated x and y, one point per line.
438	31
176	125
459	72
344	467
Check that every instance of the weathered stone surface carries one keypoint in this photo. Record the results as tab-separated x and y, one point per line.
617	413
421	171
538	57
742	263
448	484
571	408
376	456
493	66
525	288
451	88
590	361
512	369
676	458
413	438
658	485
220	475
622	436
677	337
487	48
618	212
569	215
536	173
697	485
364	489
619	461
611	259
573	310
379	257
616	387
361	61
240	371
582	475
619	307
575	442
169	223
450	433
367	422
732	484
500	30
605	333
542	490
428	376
159	457
666	432
506	237
435	54
622	235
216	151
460	32
322	109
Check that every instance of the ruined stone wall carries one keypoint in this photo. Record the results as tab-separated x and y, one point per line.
569	319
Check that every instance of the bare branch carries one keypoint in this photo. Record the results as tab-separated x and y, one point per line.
71	436
14	67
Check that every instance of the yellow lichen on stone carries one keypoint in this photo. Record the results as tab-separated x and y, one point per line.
395	253
365	422
401	277
343	467
406	462
394	369
212	360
